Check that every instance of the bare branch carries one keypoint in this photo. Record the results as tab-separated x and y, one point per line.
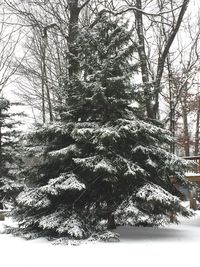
84	4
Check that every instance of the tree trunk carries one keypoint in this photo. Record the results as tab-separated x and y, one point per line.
143	59
44	74
43	93
74	11
196	145
111	222
186	138
152	94
172	106
0	139
111	219
186	133
163	56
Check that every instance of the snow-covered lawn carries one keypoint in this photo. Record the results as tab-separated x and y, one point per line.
173	246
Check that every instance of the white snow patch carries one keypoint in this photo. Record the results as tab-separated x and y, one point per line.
175	245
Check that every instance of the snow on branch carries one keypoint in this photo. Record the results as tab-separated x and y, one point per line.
128	214
87	163
73	226
105	165
65	182
137	128
80	134
155	193
108	133
64	152
57	221
33	198
51	221
46	129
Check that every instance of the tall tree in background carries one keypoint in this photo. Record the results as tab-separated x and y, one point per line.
10	35
65	16
197	137
52	31
153	88
183	86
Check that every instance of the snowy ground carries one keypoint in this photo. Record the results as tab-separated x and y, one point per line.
175	245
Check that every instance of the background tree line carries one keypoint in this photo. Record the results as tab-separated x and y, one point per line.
167	51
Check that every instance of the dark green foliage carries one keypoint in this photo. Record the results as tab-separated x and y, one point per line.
9	154
100	162
104	90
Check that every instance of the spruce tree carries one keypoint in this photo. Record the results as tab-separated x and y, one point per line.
10	160
102	163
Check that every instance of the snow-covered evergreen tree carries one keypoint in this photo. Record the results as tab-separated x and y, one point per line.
101	164
10	186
